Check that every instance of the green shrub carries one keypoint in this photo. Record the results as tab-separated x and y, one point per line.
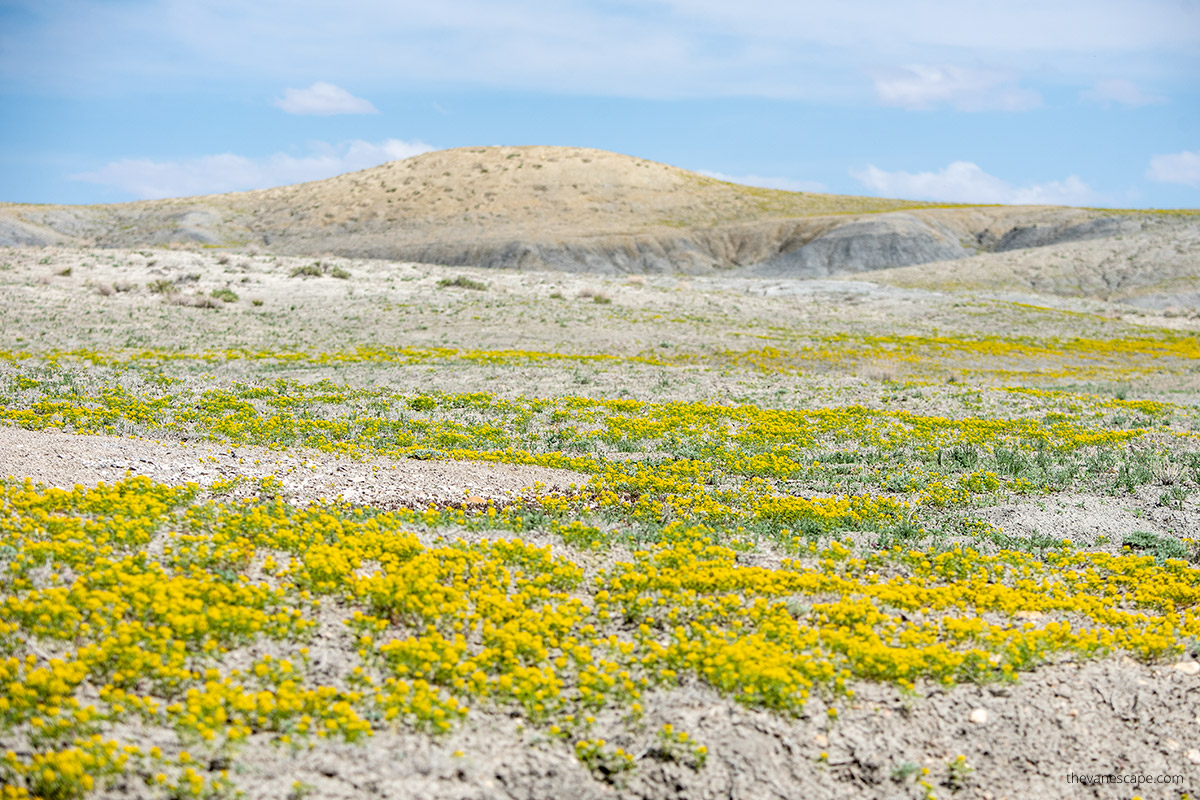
308	271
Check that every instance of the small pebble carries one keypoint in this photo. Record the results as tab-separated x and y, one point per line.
1189	667
1193	756
979	716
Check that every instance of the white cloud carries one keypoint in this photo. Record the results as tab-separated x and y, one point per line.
786	184
226	172
1119	90
323	99
1017	25
1182	167
964	182
924	86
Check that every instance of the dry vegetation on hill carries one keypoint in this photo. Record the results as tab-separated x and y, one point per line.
565	208
497	192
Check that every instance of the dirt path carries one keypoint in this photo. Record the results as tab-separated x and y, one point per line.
64	460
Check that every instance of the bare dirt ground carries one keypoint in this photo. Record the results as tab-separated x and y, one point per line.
1027	740
64	460
135	298
1021	740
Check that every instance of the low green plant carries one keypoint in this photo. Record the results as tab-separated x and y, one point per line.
1161	547
957	772
1133	473
1174	497
226	294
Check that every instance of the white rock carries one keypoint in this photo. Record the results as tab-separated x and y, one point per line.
1189	667
1193	756
979	716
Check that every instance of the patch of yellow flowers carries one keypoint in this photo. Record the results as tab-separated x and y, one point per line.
129	603
1008	356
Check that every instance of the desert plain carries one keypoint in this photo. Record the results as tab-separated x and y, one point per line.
654	488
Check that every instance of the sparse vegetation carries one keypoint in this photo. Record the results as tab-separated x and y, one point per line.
318	269
225	294
462	282
313	270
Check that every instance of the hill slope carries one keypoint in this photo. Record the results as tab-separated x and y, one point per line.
565	208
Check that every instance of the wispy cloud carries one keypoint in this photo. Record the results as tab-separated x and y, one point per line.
920	87
662	48
1182	167
323	99
1119	90
965	182
786	184
226	172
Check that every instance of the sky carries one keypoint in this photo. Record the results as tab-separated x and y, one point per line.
1092	103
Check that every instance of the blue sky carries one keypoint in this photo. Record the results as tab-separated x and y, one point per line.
1054	101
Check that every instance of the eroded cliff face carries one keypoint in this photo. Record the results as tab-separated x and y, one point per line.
801	248
810	247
